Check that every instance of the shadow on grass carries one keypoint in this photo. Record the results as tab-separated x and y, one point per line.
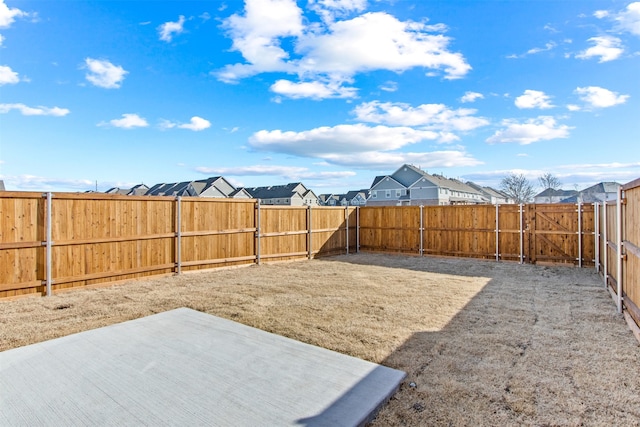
537	345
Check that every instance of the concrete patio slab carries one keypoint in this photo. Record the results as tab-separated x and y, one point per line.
184	367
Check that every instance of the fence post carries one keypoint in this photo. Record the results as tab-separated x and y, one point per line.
531	216
357	229
605	244
346	210
309	232
258	231
179	235
497	232
579	234
421	230
521	211
619	243
48	243
596	232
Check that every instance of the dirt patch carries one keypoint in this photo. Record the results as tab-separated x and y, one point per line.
483	343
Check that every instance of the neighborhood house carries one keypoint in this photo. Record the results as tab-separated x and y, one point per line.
411	186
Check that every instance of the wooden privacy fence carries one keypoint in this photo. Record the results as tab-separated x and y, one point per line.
557	233
618	257
52	242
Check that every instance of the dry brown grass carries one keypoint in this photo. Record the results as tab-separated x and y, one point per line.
483	343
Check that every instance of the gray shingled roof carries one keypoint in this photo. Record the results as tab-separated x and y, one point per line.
138	190
274	191
593	194
550	192
377	179
491	192
443	182
202	184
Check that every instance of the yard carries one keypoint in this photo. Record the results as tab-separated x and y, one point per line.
483	343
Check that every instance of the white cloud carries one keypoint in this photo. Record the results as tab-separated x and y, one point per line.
376	41
313	90
8	76
34	111
607	48
289	172
539	129
547	47
103	73
597	97
128	121
329	10
40	183
471	96
169	29
389	86
580	175
600	14
573	107
256	35
615	165
332	51
1	40
533	99
630	20
8	15
391	160
256	170
428	116
196	124
343	139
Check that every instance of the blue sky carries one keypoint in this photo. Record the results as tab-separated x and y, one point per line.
327	92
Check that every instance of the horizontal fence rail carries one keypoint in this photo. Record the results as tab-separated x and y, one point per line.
619	250
50	242
526	233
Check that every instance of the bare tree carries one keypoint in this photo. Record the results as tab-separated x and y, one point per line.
548	180
517	187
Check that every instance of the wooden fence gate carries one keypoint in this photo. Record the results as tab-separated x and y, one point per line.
560	233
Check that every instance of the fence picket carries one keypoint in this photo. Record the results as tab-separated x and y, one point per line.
89	239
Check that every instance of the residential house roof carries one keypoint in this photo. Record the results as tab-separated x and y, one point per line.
277	191
488	191
439	180
118	190
138	190
594	194
239	193
2	185
353	194
377	179
550	192
193	188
